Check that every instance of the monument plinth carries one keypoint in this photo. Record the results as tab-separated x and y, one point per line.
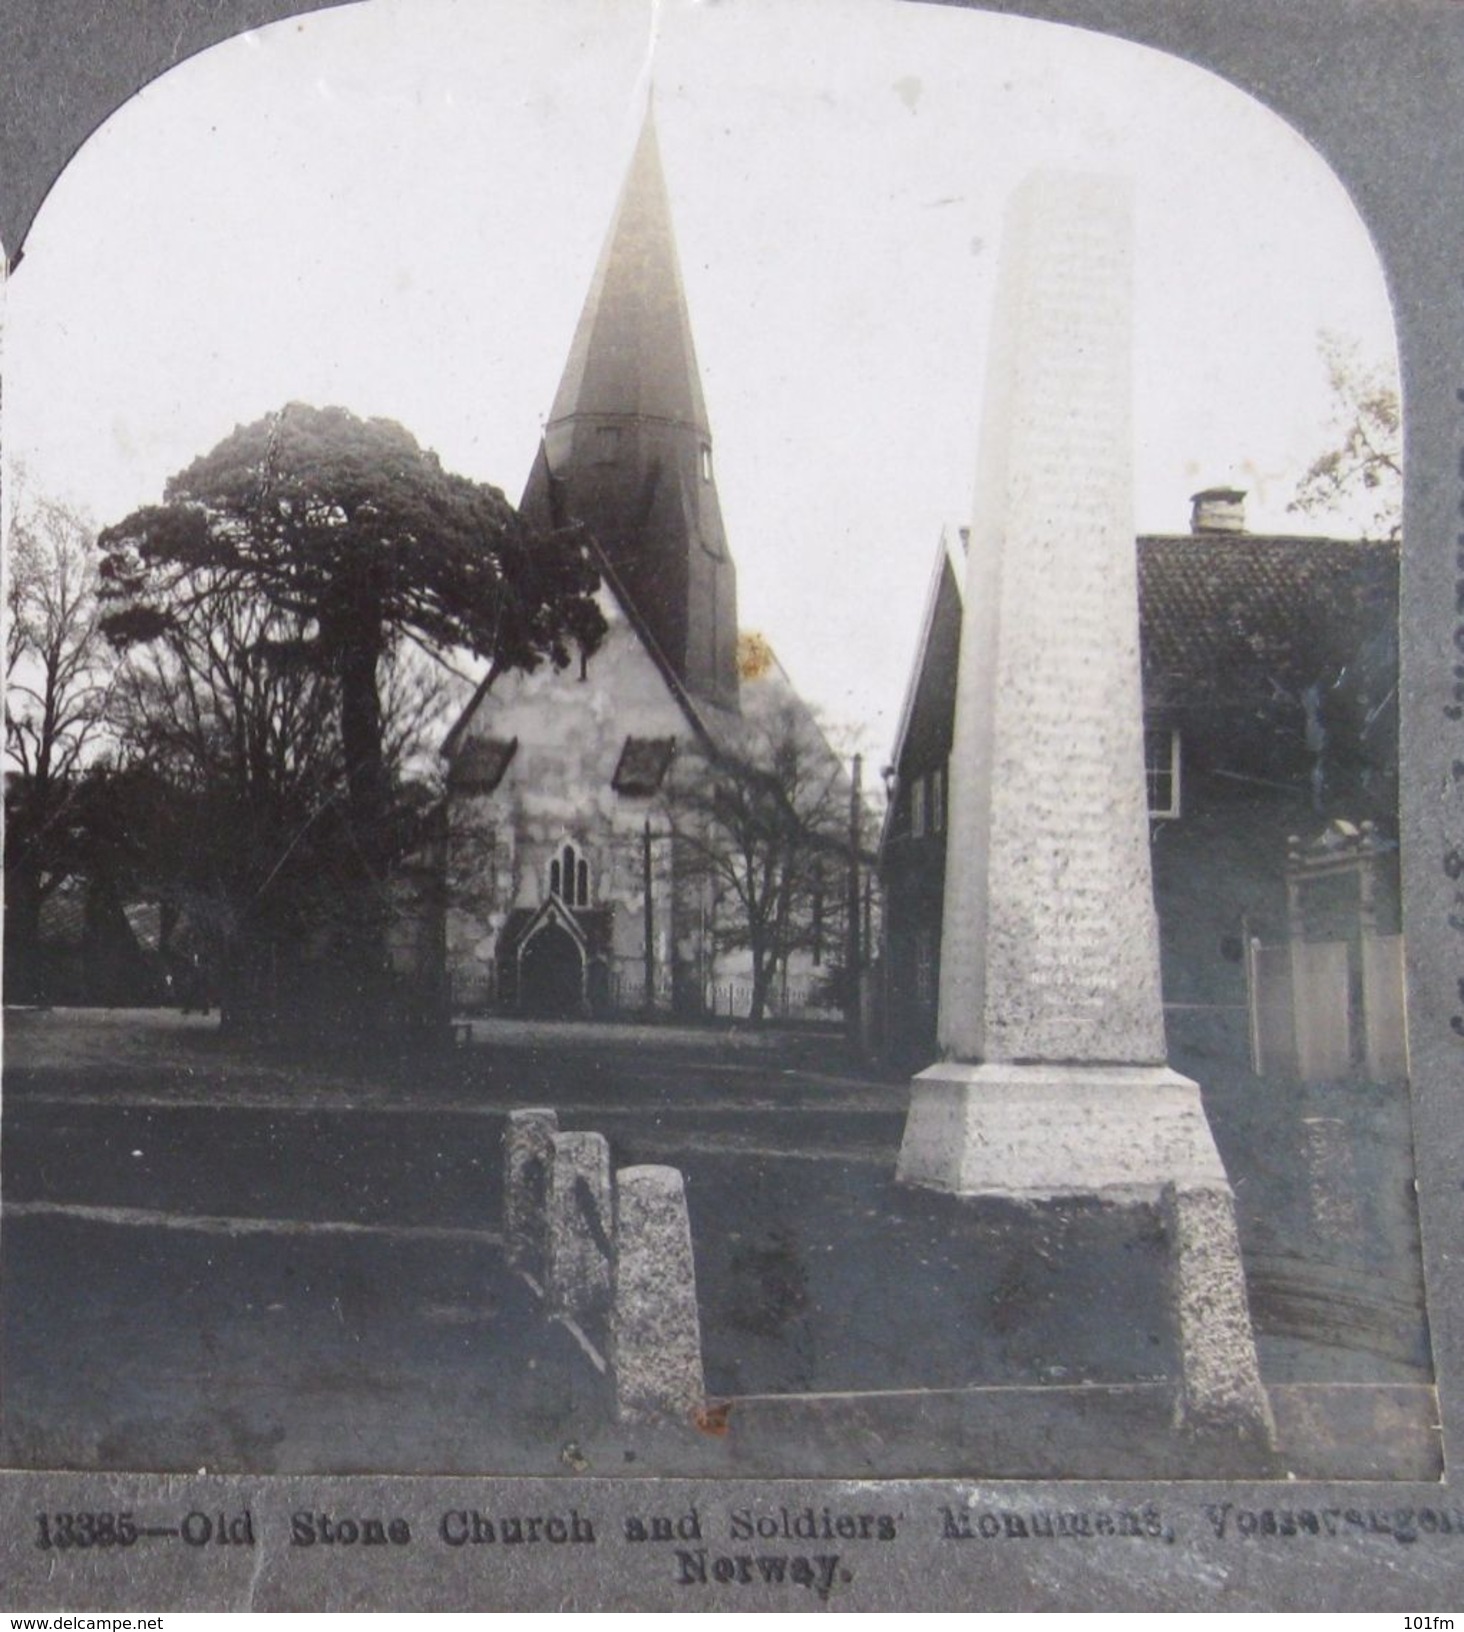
1054	1080
1000	1128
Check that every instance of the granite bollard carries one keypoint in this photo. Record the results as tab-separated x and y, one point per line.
655	1336
580	1222
527	1138
1219	1387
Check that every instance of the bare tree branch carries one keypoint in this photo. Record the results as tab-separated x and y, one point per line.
1359	479
762	821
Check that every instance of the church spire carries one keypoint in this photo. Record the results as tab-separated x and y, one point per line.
628	444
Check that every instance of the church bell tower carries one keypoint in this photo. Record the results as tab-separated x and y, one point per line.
627	452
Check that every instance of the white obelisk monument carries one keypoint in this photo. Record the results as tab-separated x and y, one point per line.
1054	1079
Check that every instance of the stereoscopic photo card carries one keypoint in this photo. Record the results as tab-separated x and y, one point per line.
733	816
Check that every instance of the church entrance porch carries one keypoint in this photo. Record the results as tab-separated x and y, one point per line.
552	974
551	961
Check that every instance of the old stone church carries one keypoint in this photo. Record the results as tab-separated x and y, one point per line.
567	890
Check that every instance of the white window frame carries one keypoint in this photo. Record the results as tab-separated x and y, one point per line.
1154	773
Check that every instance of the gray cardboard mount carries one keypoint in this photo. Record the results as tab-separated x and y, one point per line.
1378	87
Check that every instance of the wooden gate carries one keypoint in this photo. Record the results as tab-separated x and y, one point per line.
1331	1006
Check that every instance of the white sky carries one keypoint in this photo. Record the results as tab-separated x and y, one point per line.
397	208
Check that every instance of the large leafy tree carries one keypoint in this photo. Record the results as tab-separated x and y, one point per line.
315	544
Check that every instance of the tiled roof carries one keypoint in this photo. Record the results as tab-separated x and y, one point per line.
1235	618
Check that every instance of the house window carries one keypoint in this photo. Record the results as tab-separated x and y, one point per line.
1161	774
917	808
607	444
706	461
569	877
937	799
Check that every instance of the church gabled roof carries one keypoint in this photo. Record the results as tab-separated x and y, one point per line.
714	728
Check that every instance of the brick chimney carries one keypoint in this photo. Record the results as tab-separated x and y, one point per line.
1218	510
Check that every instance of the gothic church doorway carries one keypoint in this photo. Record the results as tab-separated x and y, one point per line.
552	974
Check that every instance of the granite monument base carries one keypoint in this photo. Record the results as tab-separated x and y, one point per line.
1036	1132
1122	1133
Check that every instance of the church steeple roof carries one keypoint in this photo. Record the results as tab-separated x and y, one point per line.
627	450
633	351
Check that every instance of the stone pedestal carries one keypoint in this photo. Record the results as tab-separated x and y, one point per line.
655	1339
1037	1132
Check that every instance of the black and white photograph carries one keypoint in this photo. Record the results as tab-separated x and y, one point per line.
727	779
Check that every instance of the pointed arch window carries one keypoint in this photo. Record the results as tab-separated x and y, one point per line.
569	876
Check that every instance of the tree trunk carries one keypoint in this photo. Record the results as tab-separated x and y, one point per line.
361	744
762	975
360	1003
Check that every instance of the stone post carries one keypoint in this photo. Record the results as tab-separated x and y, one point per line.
526	1150
1055	1080
1219	1387
655	1335
580	1221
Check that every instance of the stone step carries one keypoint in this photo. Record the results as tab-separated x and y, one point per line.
1086	1432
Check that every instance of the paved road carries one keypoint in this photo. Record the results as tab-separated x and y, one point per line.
214	1260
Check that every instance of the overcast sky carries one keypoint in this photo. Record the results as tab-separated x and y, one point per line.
397	208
